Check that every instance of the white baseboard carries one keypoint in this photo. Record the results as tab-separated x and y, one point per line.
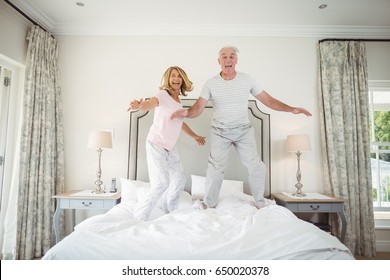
382	246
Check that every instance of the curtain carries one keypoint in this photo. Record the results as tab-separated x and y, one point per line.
344	125
41	172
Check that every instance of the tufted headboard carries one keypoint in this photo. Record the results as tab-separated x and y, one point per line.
194	157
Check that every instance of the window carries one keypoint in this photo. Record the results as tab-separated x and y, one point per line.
379	98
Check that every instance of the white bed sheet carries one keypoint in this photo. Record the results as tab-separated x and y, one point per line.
234	230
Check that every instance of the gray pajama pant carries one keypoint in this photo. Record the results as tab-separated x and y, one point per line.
167	180
243	139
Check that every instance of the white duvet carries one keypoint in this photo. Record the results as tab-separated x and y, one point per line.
234	230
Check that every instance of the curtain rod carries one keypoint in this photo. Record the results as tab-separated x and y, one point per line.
363	40
26	16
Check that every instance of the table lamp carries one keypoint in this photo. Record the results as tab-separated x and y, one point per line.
99	140
298	143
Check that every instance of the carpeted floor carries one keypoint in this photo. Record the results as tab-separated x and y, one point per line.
379	256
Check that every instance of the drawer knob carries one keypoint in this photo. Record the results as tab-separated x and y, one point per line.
86	204
314	207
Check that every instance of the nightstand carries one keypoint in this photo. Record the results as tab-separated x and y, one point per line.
81	200
308	205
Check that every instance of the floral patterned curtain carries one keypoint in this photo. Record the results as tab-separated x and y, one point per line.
42	149
344	122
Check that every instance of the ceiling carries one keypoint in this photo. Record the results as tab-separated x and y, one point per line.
295	18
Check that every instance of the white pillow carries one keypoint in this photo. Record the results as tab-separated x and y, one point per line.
231	188
129	189
185	200
143	192
197	186
138	191
228	187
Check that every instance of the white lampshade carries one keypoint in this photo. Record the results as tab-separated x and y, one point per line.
298	142
100	139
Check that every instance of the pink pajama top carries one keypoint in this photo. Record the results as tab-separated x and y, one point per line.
164	132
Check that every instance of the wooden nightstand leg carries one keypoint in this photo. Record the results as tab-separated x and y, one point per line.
56	222
343	226
73	219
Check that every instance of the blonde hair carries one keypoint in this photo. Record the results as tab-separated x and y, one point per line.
186	85
235	49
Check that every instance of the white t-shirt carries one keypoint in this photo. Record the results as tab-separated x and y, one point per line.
230	99
164	131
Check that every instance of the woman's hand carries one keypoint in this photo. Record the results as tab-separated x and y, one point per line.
200	140
135	104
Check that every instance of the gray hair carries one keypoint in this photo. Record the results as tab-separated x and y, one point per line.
235	49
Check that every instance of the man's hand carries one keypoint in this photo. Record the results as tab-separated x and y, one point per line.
181	113
301	111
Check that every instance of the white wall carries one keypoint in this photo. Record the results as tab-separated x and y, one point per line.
13	31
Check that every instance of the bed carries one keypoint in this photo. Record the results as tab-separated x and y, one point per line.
234	230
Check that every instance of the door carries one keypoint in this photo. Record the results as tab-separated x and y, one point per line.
5	86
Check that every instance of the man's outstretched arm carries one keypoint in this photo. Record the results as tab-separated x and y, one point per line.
194	111
277	105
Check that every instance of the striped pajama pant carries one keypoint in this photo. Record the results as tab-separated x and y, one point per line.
243	139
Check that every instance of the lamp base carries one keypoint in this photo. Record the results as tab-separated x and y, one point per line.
99	189
99	182
299	192
98	192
